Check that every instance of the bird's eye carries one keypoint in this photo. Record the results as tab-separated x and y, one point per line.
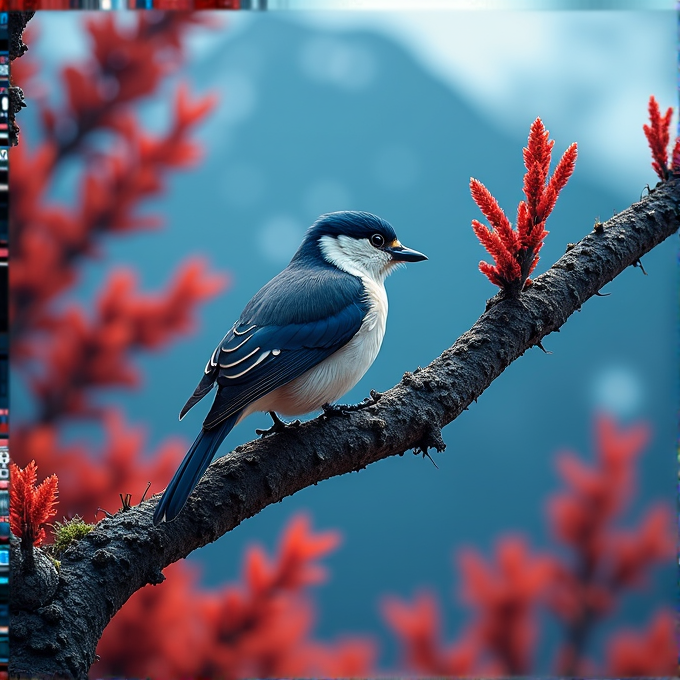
378	240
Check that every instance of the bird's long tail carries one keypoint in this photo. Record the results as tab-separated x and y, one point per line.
193	466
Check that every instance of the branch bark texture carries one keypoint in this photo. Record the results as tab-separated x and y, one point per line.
16	24
126	552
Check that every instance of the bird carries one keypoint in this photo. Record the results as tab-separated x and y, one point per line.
304	339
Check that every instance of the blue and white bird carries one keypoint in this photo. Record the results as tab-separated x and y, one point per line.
305	339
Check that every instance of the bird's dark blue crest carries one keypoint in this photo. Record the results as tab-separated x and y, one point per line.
352	223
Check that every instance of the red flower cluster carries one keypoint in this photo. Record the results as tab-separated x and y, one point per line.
31	504
501	638
515	252
259	629
658	137
65	353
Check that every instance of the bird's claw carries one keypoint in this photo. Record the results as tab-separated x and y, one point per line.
278	426
346	409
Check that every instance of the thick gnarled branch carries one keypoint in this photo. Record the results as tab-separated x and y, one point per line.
126	552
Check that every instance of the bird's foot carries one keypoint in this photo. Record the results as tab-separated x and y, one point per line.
344	409
278	426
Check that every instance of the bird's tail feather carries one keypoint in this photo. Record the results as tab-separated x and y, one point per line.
193	466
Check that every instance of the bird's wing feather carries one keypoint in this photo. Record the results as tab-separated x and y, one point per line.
273	343
277	355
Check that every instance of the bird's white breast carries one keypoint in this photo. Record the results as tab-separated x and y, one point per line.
339	373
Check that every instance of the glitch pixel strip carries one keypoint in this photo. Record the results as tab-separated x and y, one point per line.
4	350
334	5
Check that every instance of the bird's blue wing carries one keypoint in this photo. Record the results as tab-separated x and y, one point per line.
273	356
274	343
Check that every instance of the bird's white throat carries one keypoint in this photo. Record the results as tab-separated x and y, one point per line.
356	256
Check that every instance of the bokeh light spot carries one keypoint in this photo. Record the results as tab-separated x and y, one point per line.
617	390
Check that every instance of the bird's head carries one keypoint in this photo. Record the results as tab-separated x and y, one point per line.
356	242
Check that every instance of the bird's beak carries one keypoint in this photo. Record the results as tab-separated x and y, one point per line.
401	253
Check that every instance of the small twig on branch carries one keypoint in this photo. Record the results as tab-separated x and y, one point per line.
126	552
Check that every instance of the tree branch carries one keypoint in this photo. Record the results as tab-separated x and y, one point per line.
125	552
16	24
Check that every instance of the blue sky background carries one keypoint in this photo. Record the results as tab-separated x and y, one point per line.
392	113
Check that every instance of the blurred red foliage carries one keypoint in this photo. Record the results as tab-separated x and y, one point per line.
263	627
515	252
65	353
89	479
606	561
258	629
632	654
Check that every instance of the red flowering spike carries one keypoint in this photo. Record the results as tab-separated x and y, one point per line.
515	253
557	182
31	504
507	268
658	135
493	212
537	162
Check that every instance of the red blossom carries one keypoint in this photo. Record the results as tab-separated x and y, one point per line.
634	551
503	596
31	504
582	515
126	66
658	136
515	252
